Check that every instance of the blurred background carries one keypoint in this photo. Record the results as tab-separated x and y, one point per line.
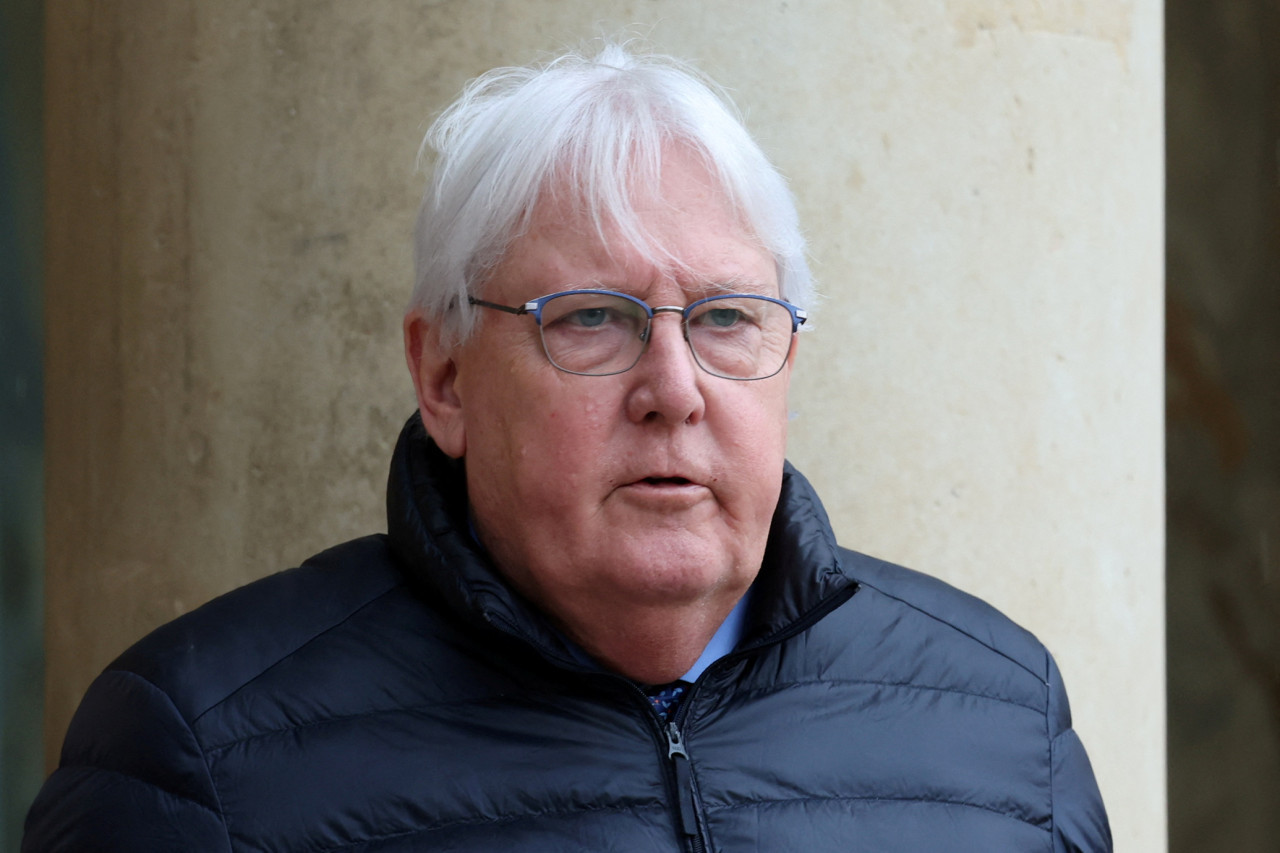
21	414
1223	398
1223	429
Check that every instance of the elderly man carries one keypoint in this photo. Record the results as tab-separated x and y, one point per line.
607	614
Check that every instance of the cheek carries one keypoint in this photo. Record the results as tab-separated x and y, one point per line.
758	423
752	441
563	450
569	419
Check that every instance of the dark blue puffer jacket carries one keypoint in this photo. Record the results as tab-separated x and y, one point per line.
393	694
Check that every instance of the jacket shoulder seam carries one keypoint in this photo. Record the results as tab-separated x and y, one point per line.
268	667
959	630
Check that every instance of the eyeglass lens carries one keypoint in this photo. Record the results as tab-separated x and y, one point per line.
737	337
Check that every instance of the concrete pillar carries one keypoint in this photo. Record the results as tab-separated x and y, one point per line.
231	190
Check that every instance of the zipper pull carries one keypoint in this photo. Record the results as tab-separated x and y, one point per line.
684	780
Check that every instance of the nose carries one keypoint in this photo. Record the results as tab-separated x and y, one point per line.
666	382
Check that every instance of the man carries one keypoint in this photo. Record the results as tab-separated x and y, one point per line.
607	614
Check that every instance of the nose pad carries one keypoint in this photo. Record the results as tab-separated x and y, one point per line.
647	334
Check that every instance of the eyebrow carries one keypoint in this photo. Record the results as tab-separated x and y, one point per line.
733	284
743	284
699	287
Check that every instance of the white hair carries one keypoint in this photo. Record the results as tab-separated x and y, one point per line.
598	126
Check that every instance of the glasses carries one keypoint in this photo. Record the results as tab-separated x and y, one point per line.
603	332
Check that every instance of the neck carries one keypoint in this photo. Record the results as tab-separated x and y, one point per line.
650	645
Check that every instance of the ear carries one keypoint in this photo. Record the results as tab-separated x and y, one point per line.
435	375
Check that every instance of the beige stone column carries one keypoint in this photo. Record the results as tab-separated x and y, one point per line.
231	190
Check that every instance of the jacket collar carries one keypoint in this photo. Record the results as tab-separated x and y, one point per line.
427	521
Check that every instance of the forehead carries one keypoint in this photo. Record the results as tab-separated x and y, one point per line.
682	232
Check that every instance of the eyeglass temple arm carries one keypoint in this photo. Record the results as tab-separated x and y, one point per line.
471	300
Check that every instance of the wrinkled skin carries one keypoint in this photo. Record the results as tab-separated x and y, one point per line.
633	509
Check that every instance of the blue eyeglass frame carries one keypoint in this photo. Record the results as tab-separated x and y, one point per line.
533	308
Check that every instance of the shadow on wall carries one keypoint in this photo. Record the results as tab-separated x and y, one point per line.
1223	395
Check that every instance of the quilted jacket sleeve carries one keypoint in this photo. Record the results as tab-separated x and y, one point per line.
1079	818
132	778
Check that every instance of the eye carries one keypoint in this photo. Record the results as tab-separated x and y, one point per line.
726	315
722	317
579	314
589	317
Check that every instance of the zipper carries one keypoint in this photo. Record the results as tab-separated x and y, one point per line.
686	802
690	819
690	822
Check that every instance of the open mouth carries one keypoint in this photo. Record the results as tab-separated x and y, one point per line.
666	481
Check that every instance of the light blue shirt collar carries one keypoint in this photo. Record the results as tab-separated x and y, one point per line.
723	641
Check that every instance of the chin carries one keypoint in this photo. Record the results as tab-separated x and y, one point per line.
660	576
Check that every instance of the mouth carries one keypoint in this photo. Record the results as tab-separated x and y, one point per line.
666	481
665	493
